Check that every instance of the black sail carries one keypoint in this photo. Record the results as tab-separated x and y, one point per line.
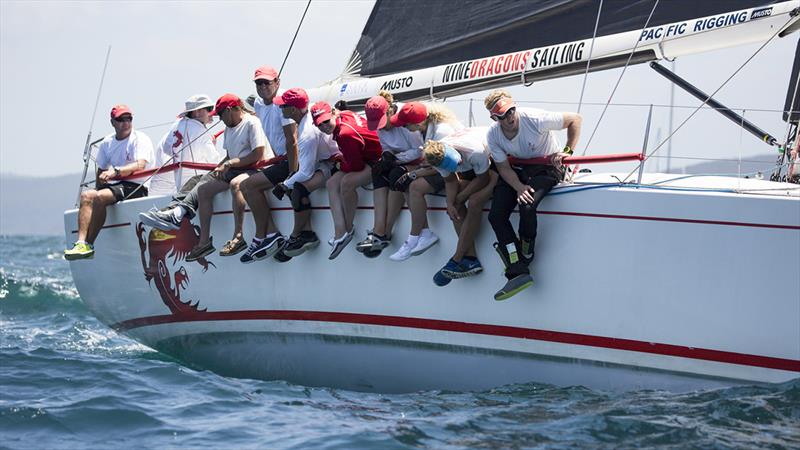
791	111
403	35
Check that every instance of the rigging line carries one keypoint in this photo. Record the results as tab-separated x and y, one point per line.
293	39
156	125
87	149
643	105
710	97
591	51
619	80
171	158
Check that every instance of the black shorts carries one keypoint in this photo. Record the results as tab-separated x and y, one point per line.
277	173
125	190
468	175
232	173
436	181
387	178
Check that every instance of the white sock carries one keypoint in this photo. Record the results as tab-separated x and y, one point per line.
178	212
258	240
412	240
271	235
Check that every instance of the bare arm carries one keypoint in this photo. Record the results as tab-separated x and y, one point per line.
127	169
290	131
572	122
474	185
253	157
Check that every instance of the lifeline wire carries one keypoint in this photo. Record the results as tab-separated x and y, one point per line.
295	37
709	98
591	51
613	91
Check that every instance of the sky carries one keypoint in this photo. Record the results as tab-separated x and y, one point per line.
52	54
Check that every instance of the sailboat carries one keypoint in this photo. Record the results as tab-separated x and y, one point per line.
642	280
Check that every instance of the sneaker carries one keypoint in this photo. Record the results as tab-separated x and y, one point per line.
373	245
281	257
466	268
427	239
513	287
163	220
440	279
264	249
296	246
405	251
201	252
340	244
233	247
79	250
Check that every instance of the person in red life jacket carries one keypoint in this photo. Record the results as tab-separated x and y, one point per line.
359	147
523	133
435	122
121	153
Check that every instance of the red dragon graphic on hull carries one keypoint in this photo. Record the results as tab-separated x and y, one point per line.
176	245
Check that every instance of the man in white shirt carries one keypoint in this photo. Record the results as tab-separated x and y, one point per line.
188	140
245	145
523	133
463	160
120	154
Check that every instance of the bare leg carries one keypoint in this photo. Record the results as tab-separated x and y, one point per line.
335	201
418	206
380	200
101	200
238	204
302	220
472	221
253	190
85	213
205	200
350	182
396	202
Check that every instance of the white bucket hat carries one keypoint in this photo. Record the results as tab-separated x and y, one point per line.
196	102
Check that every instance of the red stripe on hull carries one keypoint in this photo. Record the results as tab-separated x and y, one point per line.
475	328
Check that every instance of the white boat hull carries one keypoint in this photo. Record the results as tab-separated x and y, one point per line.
655	288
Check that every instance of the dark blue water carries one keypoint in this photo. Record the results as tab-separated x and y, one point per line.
66	381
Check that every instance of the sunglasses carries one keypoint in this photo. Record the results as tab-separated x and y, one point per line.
124	119
209	108
265	82
220	112
498	118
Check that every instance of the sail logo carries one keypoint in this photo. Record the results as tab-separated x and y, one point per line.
663	32
398	83
719	21
759	13
553	56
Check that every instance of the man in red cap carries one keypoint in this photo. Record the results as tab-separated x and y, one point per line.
245	145
523	133
359	146
120	154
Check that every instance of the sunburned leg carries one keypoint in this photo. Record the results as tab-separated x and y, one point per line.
253	192
380	198
238	204
205	200
100	201
396	202
335	200
418	206
472	221
302	219
350	182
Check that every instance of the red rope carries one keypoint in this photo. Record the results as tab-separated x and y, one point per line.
200	166
572	160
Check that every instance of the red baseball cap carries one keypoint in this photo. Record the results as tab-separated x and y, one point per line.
412	112
320	112
501	106
120	110
265	73
375	110
296	97
225	102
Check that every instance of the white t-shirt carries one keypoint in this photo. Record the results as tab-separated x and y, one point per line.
404	144
471	144
120	153
313	146
186	141
245	137
273	122
535	137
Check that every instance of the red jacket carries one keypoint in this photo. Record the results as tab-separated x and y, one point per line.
357	143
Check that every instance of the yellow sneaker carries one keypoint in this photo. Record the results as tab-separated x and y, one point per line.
80	250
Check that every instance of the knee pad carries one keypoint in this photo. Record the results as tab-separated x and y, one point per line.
299	198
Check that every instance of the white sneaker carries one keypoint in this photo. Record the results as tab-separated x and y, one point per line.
426	240
405	251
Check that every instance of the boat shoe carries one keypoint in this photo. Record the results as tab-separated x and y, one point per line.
233	246
298	245
80	250
513	287
265	248
466	268
201	252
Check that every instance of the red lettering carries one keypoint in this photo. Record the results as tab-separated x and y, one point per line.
517	57
490	67
473	70
498	66
482	69
507	64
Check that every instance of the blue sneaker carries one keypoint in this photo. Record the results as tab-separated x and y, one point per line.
441	279
466	268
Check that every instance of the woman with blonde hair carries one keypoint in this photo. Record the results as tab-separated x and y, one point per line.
435	122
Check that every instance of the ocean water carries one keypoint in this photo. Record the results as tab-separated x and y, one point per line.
67	381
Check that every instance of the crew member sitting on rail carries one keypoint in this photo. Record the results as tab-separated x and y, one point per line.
463	160
401	153
189	140
121	153
435	122
523	133
246	146
359	146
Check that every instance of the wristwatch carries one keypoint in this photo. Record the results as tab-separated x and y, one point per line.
412	174
116	171
567	149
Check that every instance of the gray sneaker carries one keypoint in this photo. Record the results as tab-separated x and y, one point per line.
163	220
340	244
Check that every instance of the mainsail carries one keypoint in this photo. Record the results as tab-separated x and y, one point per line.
417	48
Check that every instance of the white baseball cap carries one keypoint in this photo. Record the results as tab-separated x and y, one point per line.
196	102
